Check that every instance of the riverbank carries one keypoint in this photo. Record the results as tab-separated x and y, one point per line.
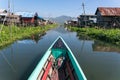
106	35
9	35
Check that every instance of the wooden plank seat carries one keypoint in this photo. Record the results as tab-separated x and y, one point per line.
47	67
45	75
49	73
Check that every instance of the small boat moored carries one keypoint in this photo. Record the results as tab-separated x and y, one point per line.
58	63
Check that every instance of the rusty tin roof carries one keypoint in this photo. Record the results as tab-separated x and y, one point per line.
108	11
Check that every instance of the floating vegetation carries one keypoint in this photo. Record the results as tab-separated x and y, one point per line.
11	33
106	35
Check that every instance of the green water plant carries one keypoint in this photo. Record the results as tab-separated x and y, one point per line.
10	34
106	35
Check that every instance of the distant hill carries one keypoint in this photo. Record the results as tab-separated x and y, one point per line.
61	19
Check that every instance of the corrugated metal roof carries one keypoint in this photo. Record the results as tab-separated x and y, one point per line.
3	10
25	14
40	17
3	14
108	11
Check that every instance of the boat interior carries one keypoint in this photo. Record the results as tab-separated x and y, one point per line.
60	69
58	66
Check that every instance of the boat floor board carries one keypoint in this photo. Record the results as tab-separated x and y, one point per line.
61	74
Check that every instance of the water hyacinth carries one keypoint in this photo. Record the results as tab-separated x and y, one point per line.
11	33
107	35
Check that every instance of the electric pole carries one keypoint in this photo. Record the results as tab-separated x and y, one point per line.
8	19
84	14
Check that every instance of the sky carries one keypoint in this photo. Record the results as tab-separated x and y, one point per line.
55	8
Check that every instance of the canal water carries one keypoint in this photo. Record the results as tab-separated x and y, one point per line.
99	61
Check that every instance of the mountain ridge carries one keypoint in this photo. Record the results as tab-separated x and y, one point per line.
61	19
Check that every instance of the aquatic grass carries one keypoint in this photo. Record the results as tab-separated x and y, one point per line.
11	33
106	35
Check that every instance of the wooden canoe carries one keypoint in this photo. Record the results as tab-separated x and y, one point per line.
58	63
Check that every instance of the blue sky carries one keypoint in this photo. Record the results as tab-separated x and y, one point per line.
54	8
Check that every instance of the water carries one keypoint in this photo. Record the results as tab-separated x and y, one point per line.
99	61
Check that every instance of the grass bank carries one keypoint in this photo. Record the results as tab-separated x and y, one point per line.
9	35
106	35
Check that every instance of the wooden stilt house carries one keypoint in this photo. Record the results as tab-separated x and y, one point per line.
108	17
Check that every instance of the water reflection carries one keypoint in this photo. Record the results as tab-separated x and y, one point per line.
18	60
26	42
105	47
7	61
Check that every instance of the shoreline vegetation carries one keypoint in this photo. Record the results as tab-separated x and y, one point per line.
105	35
9	34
